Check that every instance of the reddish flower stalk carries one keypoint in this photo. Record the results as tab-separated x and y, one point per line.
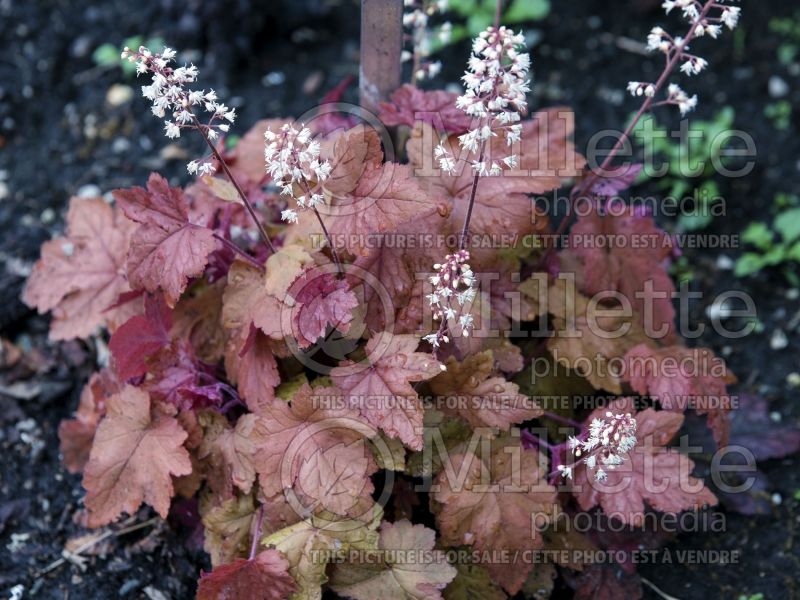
675	50
169	95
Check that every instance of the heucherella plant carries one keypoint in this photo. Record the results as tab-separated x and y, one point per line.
374	366
608	441
704	19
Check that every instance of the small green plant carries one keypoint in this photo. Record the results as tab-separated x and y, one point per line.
770	251
108	55
757	596
783	200
780	113
787	28
479	14
689	164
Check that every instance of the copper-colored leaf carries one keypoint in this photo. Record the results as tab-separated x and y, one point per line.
381	390
167	249
80	276
133	459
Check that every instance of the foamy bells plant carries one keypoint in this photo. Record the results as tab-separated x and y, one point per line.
171	98
705	19
292	160
609	440
453	290
496	87
495	95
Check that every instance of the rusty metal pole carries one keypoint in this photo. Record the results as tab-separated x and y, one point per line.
381	44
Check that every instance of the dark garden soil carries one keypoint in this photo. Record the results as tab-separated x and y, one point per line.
65	130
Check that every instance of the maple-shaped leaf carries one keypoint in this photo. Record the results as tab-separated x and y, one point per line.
354	151
314	448
489	500
649	474
387	276
484	399
381	389
226	527
409	105
383	197
588	335
264	577
251	365
80	276
626	253
229	450
139	337
396	578
472	582
319	300
133	459
76	434
311	543
167	249
681	378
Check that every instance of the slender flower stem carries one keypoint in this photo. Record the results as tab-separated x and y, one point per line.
330	243
587	183
462	242
235	249
672	62
325	231
257	533
498	13
248	205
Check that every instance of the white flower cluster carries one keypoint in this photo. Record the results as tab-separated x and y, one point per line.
292	160
453	289
169	95
604	449
496	83
706	18
416	19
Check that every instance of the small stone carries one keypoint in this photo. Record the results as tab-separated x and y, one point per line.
792	294
119	94
725	262
777	499
48	216
777	87
120	145
793	379
273	78
778	340
89	191
129	586
153	593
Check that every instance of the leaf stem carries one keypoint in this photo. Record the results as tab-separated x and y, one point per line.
235	249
